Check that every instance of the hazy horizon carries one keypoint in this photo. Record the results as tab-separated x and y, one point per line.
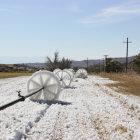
35	59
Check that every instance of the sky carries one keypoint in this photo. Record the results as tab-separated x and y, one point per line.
77	29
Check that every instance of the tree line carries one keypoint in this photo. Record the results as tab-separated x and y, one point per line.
109	66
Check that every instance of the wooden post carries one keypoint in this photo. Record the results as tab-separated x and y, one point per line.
126	64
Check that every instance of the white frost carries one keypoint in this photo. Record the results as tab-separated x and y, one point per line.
88	110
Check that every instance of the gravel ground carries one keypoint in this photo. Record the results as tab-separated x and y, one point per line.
89	110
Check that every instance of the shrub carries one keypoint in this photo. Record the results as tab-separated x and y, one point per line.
136	63
113	66
56	63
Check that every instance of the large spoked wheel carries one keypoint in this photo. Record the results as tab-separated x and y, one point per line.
70	72
56	70
64	78
49	82
81	73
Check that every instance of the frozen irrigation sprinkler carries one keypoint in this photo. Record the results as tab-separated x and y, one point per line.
43	85
81	73
56	70
71	72
47	80
64	78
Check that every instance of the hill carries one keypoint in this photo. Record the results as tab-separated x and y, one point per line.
83	63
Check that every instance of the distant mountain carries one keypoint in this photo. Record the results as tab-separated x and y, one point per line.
36	65
83	63
19	60
123	59
99	61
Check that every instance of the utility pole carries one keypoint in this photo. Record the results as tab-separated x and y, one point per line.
103	68
87	63
127	42
99	66
105	62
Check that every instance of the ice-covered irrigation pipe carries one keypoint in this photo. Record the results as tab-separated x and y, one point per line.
20	99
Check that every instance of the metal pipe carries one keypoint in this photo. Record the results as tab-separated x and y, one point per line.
21	98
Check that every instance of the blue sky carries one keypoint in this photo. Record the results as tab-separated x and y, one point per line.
76	28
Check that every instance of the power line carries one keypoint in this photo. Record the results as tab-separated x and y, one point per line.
126	65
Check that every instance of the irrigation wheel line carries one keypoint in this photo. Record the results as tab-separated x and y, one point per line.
56	70
70	71
74	73
64	78
49	82
81	73
43	85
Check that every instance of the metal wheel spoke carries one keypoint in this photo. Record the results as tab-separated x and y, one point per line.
41	80
64	83
47	80
52	85
48	95
36	83
62	75
65	76
67	83
50	92
38	95
57	74
45	95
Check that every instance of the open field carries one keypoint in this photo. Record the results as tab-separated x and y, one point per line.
128	83
89	110
11	75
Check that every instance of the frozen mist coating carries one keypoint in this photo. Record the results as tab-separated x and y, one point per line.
90	111
46	80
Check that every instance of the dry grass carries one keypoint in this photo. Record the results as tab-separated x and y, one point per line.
128	83
121	128
11	75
